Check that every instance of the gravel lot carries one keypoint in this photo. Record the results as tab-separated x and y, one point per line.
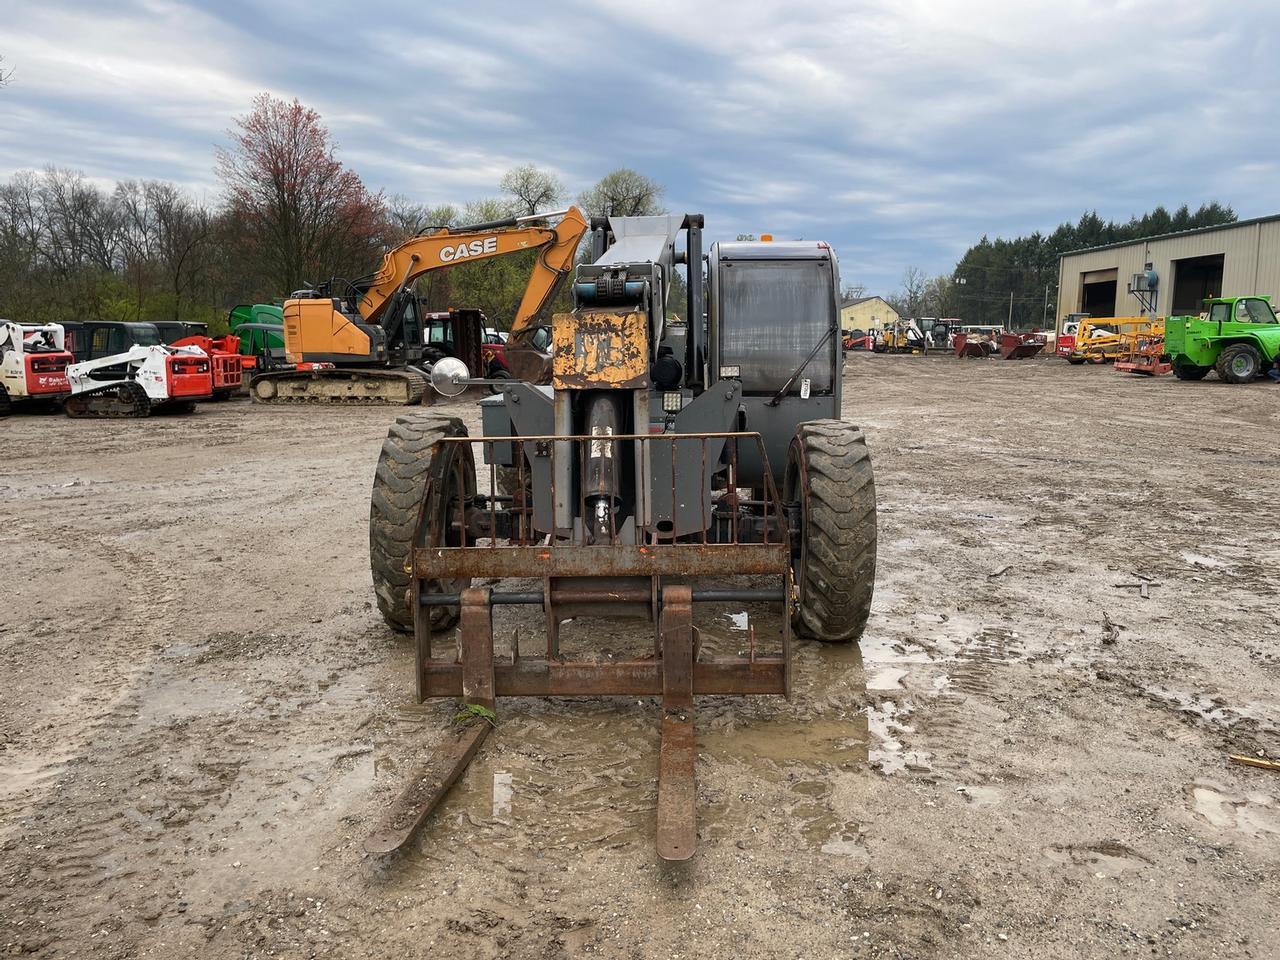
203	714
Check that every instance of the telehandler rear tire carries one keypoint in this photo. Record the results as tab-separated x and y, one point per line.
829	474
1184	370
415	482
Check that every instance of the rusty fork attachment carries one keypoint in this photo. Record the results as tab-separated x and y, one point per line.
581	578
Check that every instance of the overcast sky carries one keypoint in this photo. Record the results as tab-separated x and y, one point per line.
899	131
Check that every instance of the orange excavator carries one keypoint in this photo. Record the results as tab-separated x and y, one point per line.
366	345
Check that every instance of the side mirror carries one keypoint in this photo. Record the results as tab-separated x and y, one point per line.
449	376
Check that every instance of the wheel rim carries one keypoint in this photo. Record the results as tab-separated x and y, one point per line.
793	489
442	522
1242	366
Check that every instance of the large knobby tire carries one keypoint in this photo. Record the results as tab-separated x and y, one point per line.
829	474
1185	370
1239	363
415	491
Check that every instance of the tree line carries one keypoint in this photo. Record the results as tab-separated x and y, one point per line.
994	276
289	215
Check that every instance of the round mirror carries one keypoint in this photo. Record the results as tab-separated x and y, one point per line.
448	376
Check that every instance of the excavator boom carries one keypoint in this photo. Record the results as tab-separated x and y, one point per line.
447	248
333	353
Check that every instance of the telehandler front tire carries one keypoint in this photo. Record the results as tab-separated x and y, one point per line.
829	474
1239	363
416	489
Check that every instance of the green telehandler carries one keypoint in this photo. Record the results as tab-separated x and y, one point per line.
1239	337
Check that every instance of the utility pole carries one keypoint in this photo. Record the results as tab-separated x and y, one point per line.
1010	326
1044	324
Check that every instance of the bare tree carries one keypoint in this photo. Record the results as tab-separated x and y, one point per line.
532	189
909	300
137	236
5	74
407	218
183	235
623	193
486	209
940	297
302	214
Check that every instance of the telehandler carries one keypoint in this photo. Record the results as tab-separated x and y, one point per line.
641	482
1238	337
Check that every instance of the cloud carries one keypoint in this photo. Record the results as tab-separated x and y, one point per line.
899	131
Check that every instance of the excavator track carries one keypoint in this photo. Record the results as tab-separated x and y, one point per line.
125	399
350	387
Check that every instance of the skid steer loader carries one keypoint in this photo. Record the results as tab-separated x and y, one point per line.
640	482
141	381
33	364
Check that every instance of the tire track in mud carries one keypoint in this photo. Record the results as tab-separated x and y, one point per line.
64	808
76	717
967	703
930	726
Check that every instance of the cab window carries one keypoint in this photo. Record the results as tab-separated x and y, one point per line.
440	331
1254	311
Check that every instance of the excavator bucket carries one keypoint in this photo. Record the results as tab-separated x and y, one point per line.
465	534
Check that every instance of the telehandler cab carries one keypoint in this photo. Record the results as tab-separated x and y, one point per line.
641	482
1238	337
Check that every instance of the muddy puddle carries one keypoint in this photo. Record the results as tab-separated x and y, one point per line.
1255	814
567	776
1211	710
1107	858
563	776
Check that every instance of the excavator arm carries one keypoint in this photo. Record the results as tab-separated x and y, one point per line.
448	248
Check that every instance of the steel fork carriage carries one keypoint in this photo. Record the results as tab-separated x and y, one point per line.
619	566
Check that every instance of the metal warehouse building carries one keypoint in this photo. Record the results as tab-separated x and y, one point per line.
1173	272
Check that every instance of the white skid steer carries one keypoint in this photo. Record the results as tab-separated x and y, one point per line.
33	363
140	381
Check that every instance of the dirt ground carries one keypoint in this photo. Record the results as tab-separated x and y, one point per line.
202	714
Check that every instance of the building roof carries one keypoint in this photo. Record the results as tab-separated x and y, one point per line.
1176	233
857	300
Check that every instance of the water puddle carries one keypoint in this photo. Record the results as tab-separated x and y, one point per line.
1200	560
1254	814
886	678
1208	709
568	776
1108	858
981	795
890	734
564	777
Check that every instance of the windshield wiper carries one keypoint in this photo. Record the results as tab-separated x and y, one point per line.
777	397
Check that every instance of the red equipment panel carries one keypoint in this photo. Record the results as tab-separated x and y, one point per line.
47	373
189	377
